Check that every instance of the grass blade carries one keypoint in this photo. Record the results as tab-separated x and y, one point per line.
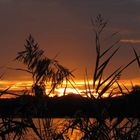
137	57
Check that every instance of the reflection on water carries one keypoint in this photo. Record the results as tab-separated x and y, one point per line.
69	129
37	129
50	127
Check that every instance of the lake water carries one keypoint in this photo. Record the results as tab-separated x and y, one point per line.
47	129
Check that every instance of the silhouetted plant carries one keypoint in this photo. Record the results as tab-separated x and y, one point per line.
42	69
46	70
101	83
101	128
137	57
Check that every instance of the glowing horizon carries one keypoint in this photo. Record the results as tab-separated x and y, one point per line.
28	83
79	86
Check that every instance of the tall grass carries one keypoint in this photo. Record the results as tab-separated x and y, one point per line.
84	128
103	83
43	70
100	128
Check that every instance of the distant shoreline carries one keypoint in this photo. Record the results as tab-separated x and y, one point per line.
71	106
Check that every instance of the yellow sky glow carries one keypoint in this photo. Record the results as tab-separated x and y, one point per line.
79	86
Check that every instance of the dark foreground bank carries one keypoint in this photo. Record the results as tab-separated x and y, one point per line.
71	106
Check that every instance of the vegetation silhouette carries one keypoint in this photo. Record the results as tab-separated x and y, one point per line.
101	82
112	118
43	70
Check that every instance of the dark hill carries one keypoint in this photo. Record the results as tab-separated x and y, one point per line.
71	106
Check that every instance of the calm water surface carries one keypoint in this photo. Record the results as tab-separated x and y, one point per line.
47	128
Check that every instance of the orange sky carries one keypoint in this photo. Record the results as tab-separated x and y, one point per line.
19	86
63	27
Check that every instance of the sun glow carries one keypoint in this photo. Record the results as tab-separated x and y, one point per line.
77	88
65	91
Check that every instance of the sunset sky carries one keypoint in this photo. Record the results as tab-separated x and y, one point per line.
63	27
